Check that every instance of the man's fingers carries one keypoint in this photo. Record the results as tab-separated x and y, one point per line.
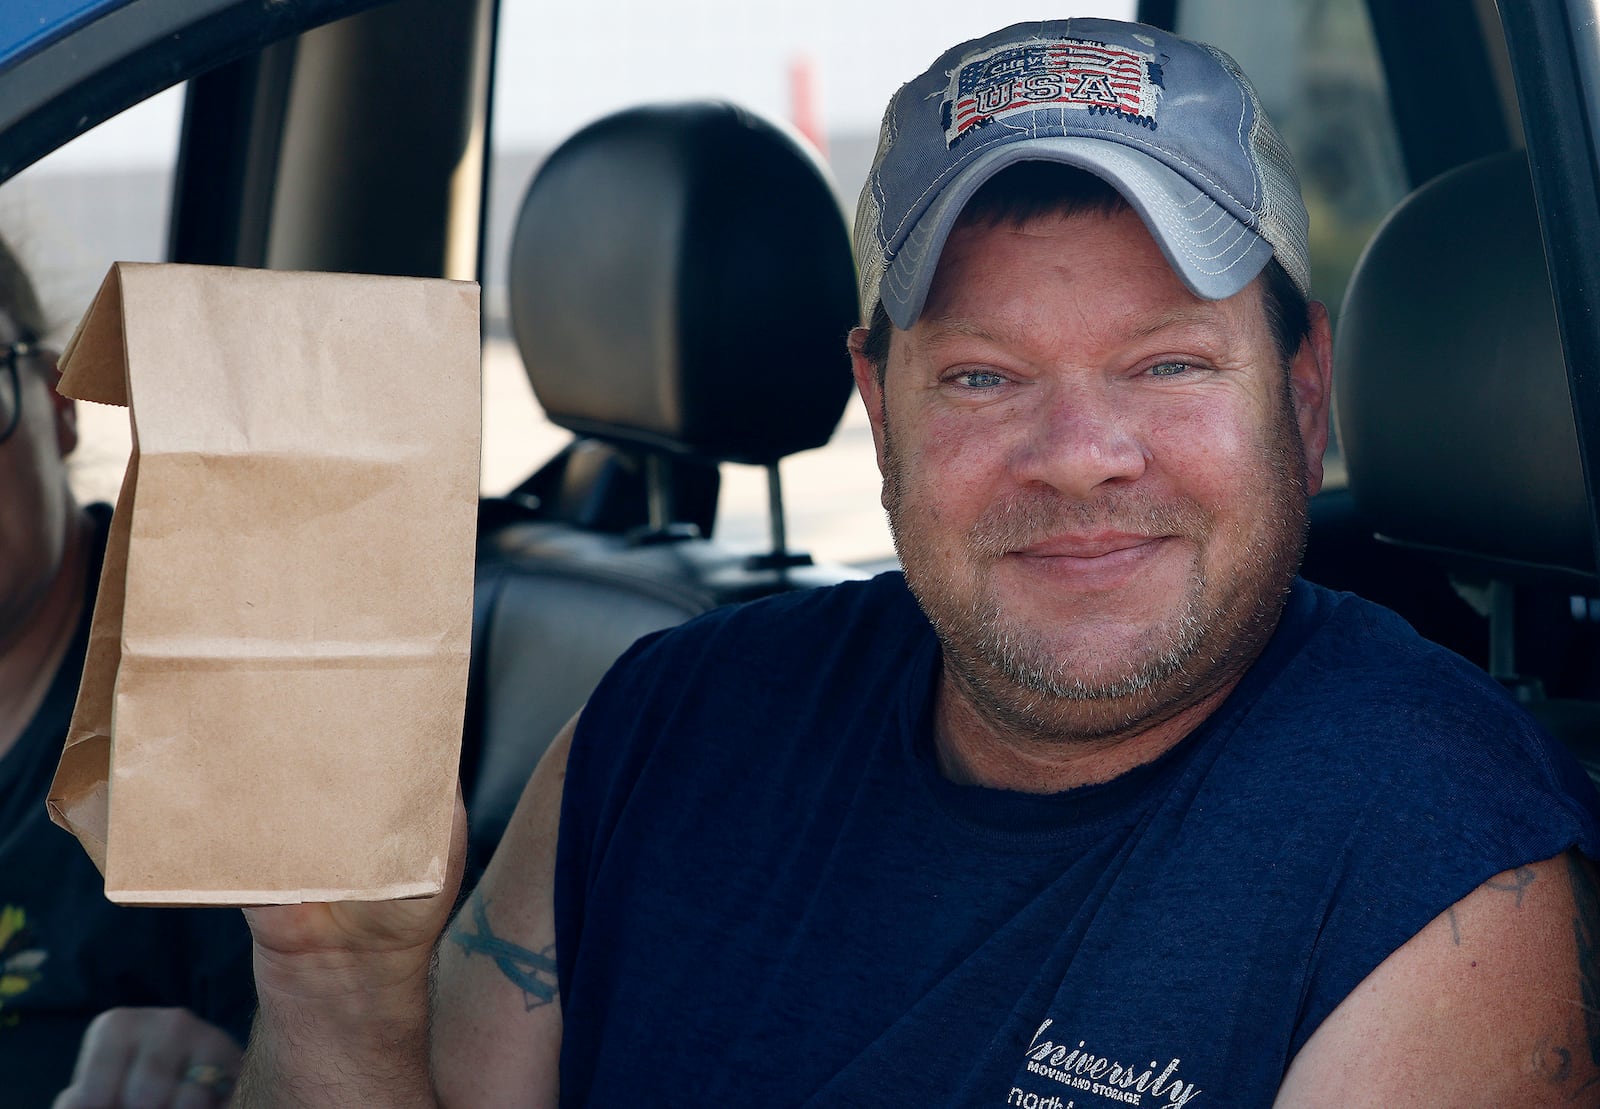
154	1079
152	1059
205	1085
103	1061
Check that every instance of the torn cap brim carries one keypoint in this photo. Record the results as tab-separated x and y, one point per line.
1213	253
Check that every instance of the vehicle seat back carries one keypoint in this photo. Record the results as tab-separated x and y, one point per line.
681	287
1456	421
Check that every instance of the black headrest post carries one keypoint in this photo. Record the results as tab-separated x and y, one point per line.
780	536
780	557
658	493
1502	631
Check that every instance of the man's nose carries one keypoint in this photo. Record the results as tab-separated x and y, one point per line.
1079	438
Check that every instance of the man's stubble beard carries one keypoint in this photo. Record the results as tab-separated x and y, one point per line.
1006	669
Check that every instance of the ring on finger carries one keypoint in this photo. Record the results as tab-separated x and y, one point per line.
210	1077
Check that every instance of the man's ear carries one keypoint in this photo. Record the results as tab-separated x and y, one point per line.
1311	391
870	388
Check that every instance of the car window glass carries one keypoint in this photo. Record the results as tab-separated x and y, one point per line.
1315	66
101	198
828	67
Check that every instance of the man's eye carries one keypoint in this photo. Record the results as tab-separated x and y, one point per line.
1168	369
980	379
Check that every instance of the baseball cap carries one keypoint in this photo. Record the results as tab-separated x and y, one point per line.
1173	125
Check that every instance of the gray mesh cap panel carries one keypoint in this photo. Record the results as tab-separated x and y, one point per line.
1283	220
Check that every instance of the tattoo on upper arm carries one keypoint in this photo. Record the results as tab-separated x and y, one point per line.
1521	878
1515	882
532	972
1551	1061
1586	932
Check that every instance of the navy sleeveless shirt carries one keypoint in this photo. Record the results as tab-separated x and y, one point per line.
766	893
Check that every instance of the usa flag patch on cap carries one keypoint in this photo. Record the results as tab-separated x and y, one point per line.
1064	73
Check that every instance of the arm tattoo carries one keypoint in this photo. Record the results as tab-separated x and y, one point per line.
1551	1061
1586	931
532	972
1521	878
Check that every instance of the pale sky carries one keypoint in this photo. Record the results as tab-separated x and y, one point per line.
564	64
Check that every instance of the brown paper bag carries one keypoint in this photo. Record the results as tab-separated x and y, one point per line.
272	700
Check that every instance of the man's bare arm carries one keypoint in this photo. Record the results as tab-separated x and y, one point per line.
1494	1003
344	989
497	1017
343	1000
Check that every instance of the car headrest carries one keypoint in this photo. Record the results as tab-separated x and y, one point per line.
1450	388
681	279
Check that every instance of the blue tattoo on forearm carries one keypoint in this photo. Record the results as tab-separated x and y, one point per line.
532	972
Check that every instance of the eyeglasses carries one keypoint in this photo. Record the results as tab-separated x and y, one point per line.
11	384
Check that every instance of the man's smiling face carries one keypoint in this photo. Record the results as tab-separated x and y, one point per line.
1096	480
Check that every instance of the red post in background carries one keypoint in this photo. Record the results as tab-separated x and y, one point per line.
804	111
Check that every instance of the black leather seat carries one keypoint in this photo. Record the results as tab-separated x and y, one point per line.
1454	413
681	287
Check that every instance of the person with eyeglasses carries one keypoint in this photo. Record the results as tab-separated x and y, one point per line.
157	999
